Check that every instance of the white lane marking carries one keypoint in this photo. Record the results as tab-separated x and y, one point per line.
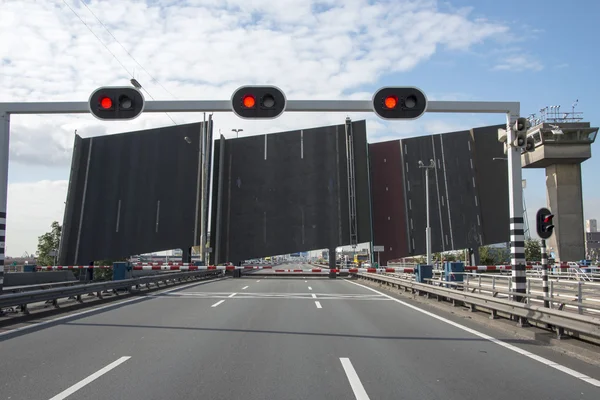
318	304
245	287
217	303
258	281
357	387
499	342
66	393
231	295
305	281
314	296
113	304
309	288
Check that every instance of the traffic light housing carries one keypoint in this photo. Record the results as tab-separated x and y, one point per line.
399	102
529	145
544	224
258	102
116	103
520	129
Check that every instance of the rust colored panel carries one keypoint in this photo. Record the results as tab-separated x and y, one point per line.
389	207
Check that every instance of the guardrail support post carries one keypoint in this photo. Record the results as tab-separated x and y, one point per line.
580	297
24	309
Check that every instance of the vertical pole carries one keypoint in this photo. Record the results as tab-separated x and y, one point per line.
515	192
202	178
379	259
545	273
4	140
428	228
216	239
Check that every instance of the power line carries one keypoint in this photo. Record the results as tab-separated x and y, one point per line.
105	46
113	54
128	53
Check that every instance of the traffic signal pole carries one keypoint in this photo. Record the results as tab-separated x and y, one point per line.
510	109
4	149
515	193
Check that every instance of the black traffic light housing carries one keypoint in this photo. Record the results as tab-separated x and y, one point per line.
520	129
258	102
116	103
401	102
529	145
544	224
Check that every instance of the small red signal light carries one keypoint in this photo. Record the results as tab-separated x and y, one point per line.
548	219
248	101
106	102
390	102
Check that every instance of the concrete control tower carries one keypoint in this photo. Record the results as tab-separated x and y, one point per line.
560	148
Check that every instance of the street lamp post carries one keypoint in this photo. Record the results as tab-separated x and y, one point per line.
428	228
237	132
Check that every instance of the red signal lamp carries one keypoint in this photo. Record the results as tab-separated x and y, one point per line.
390	102
249	101
548	219
106	102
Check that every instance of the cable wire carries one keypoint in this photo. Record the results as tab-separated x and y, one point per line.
113	54
128	53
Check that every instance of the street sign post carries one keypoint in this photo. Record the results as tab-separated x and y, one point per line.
510	109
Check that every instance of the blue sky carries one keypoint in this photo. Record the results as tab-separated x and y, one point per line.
485	50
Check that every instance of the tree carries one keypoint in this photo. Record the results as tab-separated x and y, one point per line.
533	250
48	243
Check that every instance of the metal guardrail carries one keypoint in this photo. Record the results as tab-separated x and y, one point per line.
23	299
39	286
561	320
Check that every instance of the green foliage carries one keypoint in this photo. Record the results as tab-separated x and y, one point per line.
533	250
47	243
493	255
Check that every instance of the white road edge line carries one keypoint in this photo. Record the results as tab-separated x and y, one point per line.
245	287
217	303
314	296
231	295
357	387
499	342
112	304
66	393
318	304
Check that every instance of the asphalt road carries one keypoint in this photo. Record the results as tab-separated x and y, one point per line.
274	338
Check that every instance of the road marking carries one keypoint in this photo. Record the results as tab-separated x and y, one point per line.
305	281
258	281
217	303
112	304
245	287
314	296
66	393
318	304
357	387
231	295
309	288
499	342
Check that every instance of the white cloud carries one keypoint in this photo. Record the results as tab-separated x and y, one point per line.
205	49
518	63
32	207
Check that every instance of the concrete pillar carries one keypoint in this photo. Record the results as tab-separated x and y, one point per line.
565	200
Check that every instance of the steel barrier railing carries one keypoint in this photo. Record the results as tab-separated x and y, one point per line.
559	319
22	300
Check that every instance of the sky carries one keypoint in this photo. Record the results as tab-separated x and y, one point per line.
62	50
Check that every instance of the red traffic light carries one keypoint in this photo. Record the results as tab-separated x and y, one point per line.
249	101
548	218
106	102
399	102
258	102
110	103
390	102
